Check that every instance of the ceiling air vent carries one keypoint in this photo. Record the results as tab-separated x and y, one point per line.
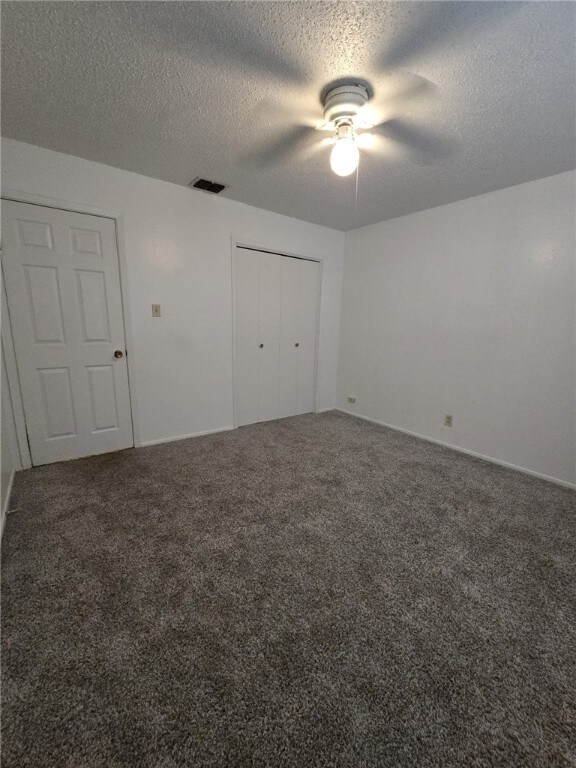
207	186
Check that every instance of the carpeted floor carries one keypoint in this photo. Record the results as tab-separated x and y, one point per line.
316	591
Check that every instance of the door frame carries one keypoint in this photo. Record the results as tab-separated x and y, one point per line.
29	198
243	242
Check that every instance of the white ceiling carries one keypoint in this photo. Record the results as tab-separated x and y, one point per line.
175	90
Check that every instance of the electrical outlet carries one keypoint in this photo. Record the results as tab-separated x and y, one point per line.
155	310
351	398
448	420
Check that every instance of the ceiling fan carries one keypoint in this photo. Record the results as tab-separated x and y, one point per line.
345	115
357	122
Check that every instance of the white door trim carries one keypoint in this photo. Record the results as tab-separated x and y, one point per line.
30	198
13	377
242	242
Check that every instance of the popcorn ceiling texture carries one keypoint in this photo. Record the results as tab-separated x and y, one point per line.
315	592
177	90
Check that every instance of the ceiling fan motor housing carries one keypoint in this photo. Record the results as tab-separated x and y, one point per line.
344	102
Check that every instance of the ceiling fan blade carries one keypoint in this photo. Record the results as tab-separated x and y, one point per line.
406	86
374	144
292	142
423	145
220	30
282	111
393	95
440	23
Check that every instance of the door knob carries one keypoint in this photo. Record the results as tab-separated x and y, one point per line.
261	346
297	344
118	353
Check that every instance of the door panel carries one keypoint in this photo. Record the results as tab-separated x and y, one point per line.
86	242
269	322
308	333
247	336
57	402
102	397
289	334
63	287
258	292
34	234
93	305
45	304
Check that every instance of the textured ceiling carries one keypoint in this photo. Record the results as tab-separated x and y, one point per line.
176	90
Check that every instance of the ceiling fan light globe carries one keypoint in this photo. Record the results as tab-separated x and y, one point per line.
344	157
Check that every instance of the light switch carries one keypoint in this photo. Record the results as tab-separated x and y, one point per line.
155	310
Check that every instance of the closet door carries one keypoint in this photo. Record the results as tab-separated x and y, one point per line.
298	333
307	334
289	337
269	334
258	290
276	331
247	336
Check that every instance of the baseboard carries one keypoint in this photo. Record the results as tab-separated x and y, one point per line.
6	505
506	464
325	410
185	437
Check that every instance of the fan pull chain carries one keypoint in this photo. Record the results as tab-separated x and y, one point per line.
356	197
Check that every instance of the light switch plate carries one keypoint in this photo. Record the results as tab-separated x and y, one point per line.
155	310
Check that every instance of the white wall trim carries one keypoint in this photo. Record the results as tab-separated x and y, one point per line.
476	455
6	506
186	437
129	335
19	196
241	242
278	249
14	391
118	217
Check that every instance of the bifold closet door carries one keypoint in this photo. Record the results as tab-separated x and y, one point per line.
276	330
298	332
258	285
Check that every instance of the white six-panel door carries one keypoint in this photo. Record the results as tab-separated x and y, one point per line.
63	287
276	331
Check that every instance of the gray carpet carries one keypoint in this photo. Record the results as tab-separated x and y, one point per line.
315	591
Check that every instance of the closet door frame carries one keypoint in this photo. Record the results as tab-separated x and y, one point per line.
267	248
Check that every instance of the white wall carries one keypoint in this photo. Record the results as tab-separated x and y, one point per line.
178	254
469	309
